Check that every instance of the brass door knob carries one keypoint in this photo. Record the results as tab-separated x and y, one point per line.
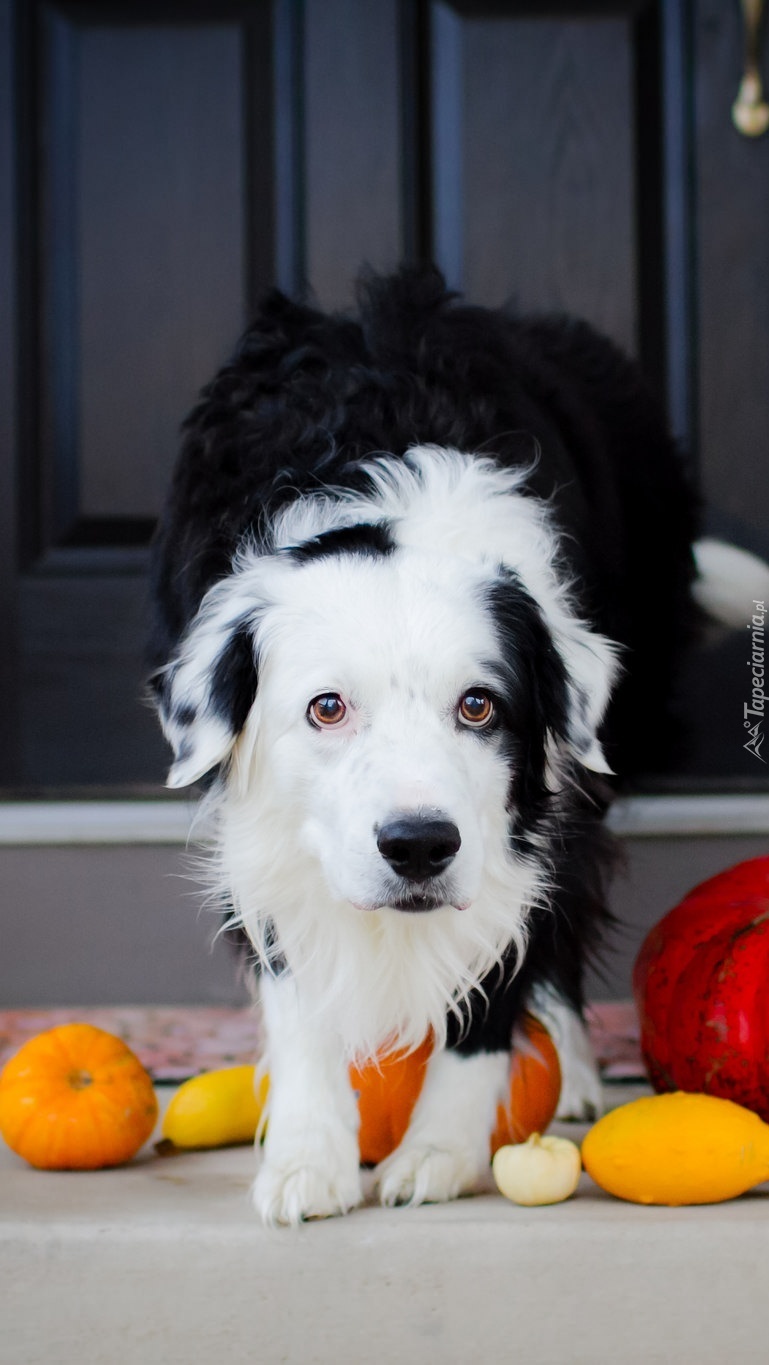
750	111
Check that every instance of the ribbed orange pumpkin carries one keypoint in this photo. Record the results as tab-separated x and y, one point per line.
535	1087
76	1098
389	1090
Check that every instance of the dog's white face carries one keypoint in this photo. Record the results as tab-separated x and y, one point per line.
392	690
377	717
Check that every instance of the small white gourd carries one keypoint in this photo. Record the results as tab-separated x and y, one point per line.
542	1170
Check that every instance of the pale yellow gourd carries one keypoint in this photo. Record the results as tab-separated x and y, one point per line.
542	1170
678	1149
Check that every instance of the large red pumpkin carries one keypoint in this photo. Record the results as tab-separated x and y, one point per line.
701	983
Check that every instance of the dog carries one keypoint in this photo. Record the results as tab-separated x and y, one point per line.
421	585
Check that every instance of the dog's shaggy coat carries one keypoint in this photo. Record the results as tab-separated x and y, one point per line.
421	580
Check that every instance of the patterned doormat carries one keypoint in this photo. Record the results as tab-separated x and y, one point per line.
176	1042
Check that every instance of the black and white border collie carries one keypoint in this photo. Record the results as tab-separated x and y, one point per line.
420	584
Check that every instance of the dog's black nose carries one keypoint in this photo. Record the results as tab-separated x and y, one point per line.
417	848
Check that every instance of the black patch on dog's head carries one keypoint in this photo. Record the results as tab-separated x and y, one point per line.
371	539
534	696
234	678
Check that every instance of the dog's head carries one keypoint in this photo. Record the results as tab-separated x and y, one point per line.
396	686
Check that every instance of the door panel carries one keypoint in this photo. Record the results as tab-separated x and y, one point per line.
544	170
732	213
352	210
729	211
138	133
159	246
83	716
175	158
139	286
10	733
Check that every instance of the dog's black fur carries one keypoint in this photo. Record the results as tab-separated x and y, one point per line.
308	396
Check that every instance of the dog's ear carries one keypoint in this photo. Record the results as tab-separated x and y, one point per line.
204	694
591	667
571	668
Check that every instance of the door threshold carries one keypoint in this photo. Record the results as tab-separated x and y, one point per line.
142	822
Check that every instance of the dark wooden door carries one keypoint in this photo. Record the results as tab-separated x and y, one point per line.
162	163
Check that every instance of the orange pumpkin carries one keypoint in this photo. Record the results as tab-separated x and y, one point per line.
76	1098
387	1092
389	1089
535	1087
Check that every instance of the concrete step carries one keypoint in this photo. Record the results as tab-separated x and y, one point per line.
163	1263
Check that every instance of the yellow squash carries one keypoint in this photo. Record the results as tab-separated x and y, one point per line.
678	1149
217	1109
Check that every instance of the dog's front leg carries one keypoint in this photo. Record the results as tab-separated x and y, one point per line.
446	1149
310	1162
581	1091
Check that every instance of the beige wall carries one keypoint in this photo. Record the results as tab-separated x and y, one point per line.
124	925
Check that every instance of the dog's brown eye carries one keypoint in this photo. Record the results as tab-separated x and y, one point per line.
476	709
328	709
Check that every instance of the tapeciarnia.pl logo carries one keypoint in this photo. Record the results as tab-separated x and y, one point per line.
755	710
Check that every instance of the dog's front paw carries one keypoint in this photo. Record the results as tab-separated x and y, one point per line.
421	1173
319	1180
581	1093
